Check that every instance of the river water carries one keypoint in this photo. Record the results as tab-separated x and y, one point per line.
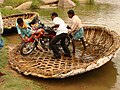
107	77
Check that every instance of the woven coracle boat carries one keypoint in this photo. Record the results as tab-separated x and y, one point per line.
9	21
101	46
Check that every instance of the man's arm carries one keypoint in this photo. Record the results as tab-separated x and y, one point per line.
19	32
74	26
23	39
18	29
55	26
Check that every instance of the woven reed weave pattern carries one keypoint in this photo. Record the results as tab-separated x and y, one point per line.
101	43
9	21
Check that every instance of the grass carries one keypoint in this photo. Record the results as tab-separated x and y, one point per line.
3	56
13	3
6	12
35	4
16	82
13	80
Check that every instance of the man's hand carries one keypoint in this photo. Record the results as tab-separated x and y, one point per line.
68	27
29	28
23	39
69	31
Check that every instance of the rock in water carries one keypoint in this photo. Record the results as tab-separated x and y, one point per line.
66	3
24	6
49	1
47	6
8	7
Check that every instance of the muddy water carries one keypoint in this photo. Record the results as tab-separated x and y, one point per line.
107	77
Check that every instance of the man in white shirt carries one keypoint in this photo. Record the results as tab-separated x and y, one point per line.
1	31
1	24
76	28
61	34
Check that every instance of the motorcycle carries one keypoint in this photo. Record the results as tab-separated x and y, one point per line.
44	36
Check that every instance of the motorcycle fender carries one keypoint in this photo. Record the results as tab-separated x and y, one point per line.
30	40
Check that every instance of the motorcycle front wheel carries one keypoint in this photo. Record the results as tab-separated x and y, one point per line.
27	47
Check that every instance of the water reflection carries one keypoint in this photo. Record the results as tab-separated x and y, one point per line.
11	36
103	78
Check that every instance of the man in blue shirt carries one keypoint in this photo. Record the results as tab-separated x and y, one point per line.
24	30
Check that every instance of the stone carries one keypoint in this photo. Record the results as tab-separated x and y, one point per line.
54	5
48	6
1	1
1	80
49	1
66	3
8	7
24	6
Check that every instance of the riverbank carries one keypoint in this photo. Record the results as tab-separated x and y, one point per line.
12	80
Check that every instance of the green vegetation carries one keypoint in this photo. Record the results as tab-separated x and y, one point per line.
17	82
76	2
46	12
35	4
34	7
3	57
13	80
90	2
6	12
14	3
